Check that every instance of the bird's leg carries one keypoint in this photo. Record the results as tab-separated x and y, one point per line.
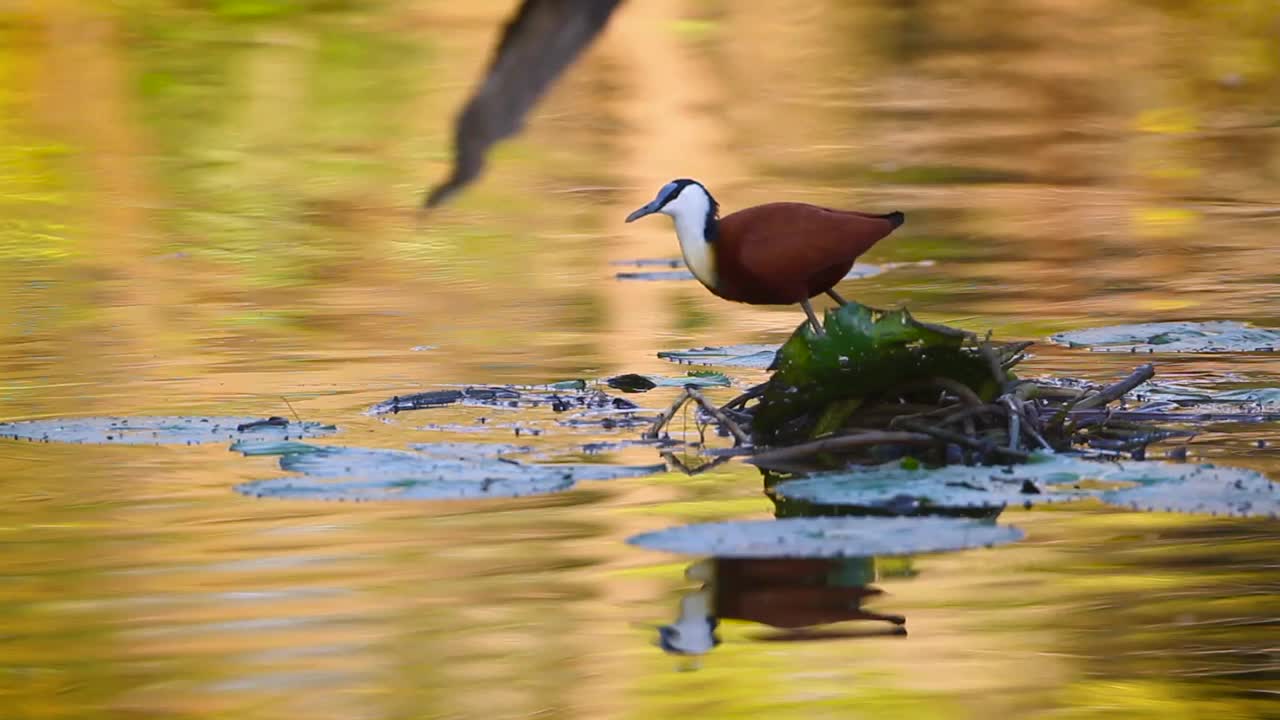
836	296
808	310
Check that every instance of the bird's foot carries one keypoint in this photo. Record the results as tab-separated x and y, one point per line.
813	319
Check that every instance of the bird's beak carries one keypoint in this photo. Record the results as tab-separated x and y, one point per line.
646	210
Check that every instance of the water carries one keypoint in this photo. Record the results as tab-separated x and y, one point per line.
208	208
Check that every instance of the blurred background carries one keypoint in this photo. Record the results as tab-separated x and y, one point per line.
209	205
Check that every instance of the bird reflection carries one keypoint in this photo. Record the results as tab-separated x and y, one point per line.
795	596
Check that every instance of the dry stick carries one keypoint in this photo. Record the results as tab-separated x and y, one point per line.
665	416
840	442
742	399
955	437
1011	362
1015	423
1032	419
993	363
955	387
725	422
968	413
1147	415
928	415
1011	353
1053	392
290	405
1115	391
893	421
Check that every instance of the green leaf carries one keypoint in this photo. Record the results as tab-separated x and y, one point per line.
746	356
863	353
834	416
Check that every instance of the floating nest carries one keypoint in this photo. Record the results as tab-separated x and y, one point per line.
879	385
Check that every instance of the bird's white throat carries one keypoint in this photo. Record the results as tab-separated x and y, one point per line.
689	212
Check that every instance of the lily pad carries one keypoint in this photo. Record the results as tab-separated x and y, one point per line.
470	450
161	430
403	488
901	491
1154	485
632	382
744	356
1174	337
1194	395
827	537
561	396
435	472
255	448
1202	489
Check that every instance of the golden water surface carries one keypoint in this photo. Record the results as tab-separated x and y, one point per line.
207	207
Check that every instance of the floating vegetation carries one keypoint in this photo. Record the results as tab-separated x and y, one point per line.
1174	337
434	471
1196	396
255	448
470	450
822	380
409	488
161	430
559	397
632	382
827	537
879	385
759	357
893	396
893	489
1206	490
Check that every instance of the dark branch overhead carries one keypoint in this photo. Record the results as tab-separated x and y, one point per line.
537	45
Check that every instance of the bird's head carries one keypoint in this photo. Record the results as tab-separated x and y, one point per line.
686	201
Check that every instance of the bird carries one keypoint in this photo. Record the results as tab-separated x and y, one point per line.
779	253
541	40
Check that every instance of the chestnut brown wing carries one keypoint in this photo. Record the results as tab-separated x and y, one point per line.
781	253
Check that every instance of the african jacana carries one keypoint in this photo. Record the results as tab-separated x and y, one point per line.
773	254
